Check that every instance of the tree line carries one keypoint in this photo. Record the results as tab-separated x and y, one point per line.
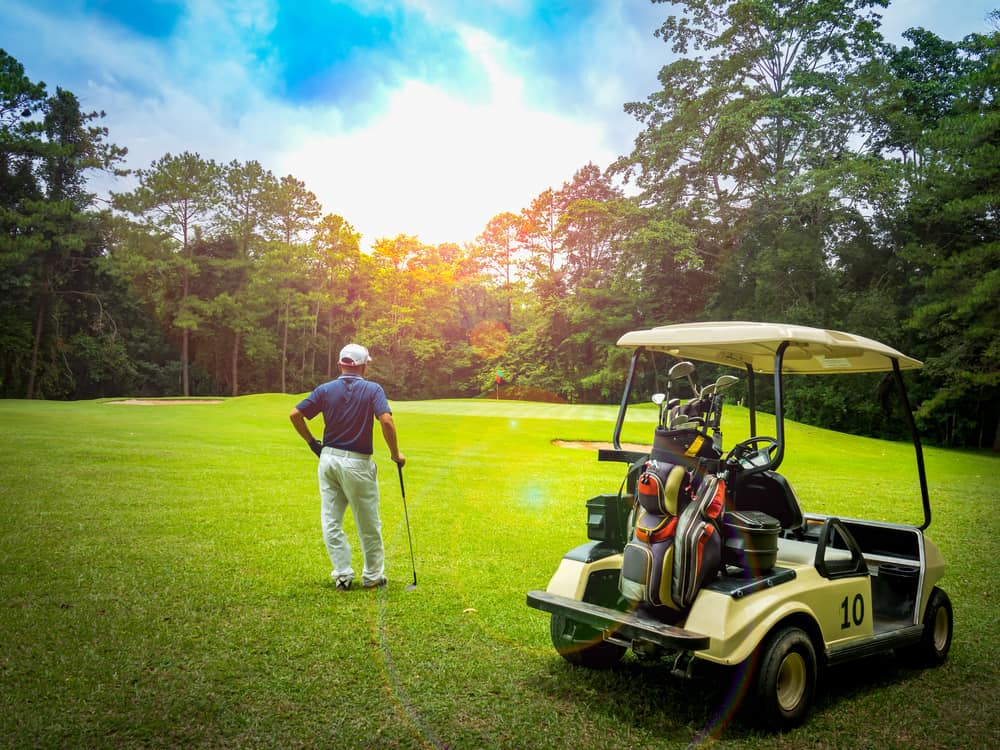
793	167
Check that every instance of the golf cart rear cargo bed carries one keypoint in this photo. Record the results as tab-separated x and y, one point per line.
624	625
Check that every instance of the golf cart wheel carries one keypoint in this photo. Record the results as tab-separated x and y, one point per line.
935	642
784	685
583	645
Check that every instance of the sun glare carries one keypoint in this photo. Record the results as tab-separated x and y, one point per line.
439	166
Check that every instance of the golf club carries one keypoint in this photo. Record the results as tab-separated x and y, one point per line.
406	514
658	399
680	370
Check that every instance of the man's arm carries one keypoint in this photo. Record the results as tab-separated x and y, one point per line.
299	423
389	433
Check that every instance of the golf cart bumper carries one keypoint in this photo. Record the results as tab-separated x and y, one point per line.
619	626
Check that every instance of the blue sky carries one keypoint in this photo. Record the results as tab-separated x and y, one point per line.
423	117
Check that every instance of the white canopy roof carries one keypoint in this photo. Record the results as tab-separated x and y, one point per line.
737	344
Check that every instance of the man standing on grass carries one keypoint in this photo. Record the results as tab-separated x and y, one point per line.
347	474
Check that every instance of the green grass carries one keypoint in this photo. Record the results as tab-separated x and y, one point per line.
163	584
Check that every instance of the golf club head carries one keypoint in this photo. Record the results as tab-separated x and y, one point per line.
411	587
725	381
658	399
680	370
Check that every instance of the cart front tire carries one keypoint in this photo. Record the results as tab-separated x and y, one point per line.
935	642
583	645
784	684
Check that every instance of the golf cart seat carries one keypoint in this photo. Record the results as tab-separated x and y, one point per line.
770	493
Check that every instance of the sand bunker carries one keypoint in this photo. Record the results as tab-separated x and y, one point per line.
593	446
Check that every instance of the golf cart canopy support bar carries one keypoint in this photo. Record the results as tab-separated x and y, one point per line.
629	380
778	349
752	399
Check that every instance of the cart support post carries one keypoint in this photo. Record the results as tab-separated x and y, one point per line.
908	413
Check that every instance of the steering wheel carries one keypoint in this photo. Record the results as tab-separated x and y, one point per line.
753	455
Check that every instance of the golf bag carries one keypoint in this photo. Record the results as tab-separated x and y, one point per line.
688	448
661	492
699	541
675	546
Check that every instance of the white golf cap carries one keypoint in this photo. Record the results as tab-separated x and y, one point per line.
354	355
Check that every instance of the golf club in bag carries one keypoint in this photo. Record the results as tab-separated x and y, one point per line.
406	514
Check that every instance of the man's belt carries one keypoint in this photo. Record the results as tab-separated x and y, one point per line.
346	454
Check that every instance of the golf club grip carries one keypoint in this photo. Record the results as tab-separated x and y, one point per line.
402	490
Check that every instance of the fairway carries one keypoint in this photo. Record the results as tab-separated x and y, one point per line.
164	584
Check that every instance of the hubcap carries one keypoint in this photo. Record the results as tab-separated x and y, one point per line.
791	681
940	630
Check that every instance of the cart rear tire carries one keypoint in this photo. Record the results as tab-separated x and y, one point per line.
935	642
583	645
784	684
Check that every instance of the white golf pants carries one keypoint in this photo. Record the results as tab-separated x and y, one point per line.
350	479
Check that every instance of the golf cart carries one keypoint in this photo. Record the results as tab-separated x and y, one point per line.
705	555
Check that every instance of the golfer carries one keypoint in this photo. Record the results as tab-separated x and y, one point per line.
347	474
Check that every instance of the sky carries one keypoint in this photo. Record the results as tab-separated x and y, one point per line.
418	117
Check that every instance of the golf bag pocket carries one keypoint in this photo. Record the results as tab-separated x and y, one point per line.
698	543
648	560
637	563
653	529
662	488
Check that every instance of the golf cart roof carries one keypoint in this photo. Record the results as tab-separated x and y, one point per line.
739	344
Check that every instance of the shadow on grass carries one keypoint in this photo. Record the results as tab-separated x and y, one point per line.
646	696
861	679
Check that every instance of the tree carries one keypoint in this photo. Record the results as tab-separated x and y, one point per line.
497	247
412	321
49	239
248	208
343	277
296	212
540	232
175	199
744	141
590	226
283	272
946	126
20	133
20	102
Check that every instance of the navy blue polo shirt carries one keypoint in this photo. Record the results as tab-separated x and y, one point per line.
349	406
